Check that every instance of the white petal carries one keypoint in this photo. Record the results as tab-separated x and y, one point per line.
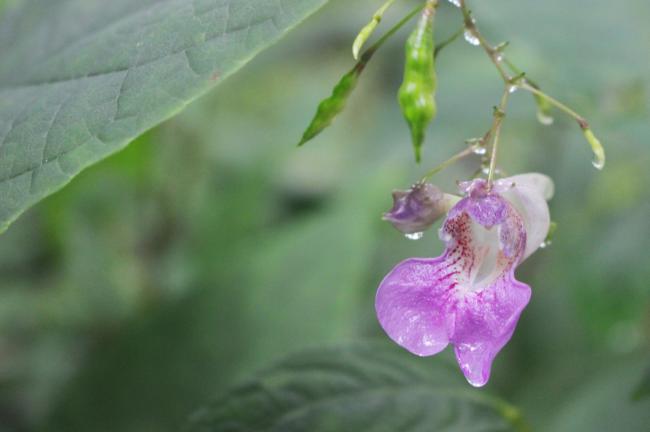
528	194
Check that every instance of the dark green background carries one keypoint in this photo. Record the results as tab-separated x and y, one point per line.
212	246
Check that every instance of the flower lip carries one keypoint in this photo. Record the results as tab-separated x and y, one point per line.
468	296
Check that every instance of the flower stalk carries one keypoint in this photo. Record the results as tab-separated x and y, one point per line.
520	81
495	132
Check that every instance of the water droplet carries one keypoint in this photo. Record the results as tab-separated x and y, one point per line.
512	88
598	163
455	2
471	39
414	236
479	150
546	243
485	170
544	119
499	57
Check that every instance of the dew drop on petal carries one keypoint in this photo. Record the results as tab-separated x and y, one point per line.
470	38
414	236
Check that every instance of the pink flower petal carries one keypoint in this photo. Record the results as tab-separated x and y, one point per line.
468	296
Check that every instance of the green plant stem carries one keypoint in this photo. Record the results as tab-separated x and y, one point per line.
519	80
455	158
491	51
495	132
452	38
526	85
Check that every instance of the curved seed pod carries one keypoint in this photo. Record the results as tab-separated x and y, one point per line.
333	105
329	108
416	95
598	149
543	110
369	28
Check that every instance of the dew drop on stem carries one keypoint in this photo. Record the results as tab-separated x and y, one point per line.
471	38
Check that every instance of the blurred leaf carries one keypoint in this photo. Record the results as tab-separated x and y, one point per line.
367	387
605	403
270	293
80	79
643	390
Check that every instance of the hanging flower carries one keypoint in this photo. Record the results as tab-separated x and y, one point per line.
416	209
468	296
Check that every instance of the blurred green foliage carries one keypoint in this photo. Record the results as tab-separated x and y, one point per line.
373	387
212	246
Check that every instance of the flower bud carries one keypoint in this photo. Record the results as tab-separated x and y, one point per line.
416	209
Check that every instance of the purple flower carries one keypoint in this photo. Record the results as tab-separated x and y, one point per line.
469	296
416	209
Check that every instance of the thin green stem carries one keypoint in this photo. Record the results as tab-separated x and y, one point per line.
452	38
493	53
520	81
512	66
524	85
380	13
495	132
455	158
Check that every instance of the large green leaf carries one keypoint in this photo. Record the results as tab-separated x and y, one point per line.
367	387
79	79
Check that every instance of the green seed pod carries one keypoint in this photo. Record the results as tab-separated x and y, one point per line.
599	152
369	28
543	110
416	95
333	105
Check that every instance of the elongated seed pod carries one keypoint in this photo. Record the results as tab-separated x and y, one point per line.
417	92
330	107
369	29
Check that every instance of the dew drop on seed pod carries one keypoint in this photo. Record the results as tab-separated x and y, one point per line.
544	119
470	38
414	236
598	163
